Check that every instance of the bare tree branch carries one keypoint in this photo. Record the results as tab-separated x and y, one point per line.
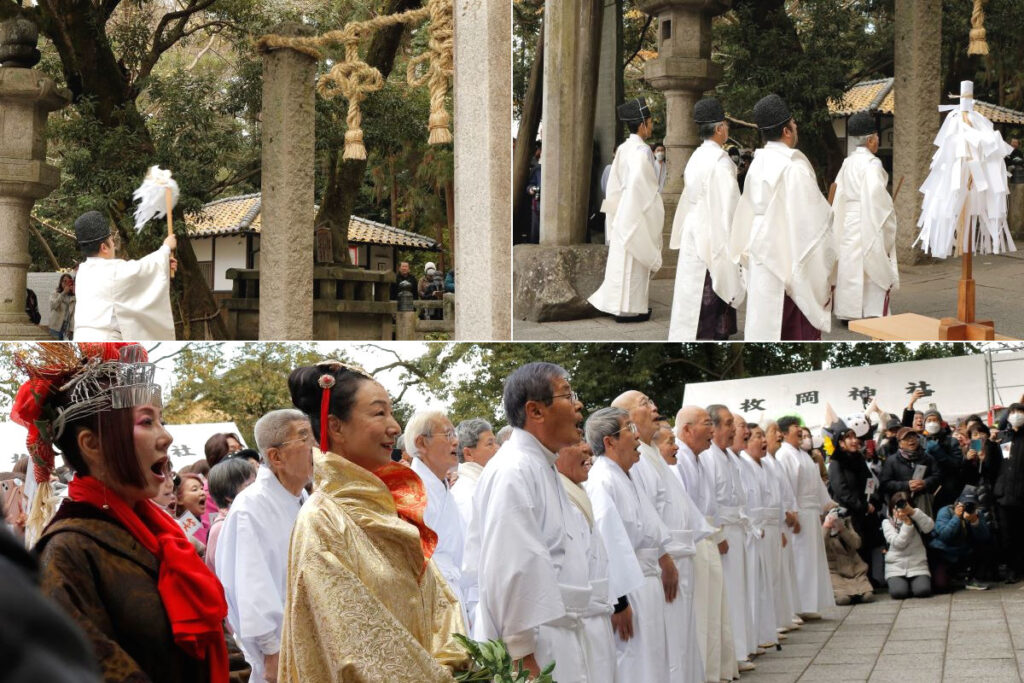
640	41
164	41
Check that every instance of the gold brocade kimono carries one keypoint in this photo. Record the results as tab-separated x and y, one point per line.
360	606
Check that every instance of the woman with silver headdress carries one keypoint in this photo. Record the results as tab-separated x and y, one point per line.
113	560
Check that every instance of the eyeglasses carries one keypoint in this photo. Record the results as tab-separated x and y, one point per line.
630	426
304	438
448	434
572	396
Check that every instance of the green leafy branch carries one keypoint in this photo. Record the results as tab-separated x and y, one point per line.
492	662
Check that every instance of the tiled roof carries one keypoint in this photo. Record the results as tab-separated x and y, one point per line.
241	214
879	96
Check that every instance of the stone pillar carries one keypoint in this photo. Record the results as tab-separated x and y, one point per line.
607	129
483	180
572	32
26	98
917	87
286	242
684	72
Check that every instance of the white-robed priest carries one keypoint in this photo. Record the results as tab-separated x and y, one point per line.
782	235
865	225
635	217
641	572
531	565
120	299
814	584
709	285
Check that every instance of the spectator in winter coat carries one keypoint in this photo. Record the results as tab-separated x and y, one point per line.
898	471
906	561
848	477
1010	495
962	542
981	465
849	573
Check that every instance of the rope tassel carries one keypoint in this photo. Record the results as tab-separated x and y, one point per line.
354	79
978	44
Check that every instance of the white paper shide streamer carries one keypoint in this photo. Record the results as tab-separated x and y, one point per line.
968	175
151	196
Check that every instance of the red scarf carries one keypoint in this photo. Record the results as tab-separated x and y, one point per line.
192	596
410	496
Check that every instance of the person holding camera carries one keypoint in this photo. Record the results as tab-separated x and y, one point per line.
906	561
846	568
962	542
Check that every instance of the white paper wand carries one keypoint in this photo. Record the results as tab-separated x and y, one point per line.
157	196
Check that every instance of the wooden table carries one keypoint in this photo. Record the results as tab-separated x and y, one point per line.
903	327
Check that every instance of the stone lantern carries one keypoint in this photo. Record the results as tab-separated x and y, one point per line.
27	96
684	72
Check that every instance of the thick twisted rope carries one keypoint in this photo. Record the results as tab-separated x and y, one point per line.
354	79
978	45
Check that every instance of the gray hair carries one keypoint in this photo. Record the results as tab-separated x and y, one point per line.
861	140
706	131
469	432
531	382
602	423
422	423
503	434
227	477
715	410
272	429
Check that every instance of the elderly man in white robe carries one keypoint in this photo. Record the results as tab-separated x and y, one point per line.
785	598
118	299
782	235
641	573
531	566
714	626
677	512
573	466
723	472
252	552
765	517
709	285
433	444
865	224
814	584
477	445
635	217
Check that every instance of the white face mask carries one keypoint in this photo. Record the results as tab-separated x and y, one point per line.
660	156
805	444
932	427
1016	419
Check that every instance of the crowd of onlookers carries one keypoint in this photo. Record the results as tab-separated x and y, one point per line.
930	505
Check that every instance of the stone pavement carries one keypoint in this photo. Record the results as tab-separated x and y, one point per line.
966	636
929	289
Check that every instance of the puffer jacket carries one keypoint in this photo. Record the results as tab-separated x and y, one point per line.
907	556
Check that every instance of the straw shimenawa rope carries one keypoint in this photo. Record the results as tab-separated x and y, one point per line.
978	45
354	79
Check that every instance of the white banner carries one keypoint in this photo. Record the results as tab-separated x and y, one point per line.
955	386
187	447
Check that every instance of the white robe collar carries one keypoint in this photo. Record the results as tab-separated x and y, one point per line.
470	470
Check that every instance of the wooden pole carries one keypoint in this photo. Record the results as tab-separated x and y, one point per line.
169	202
